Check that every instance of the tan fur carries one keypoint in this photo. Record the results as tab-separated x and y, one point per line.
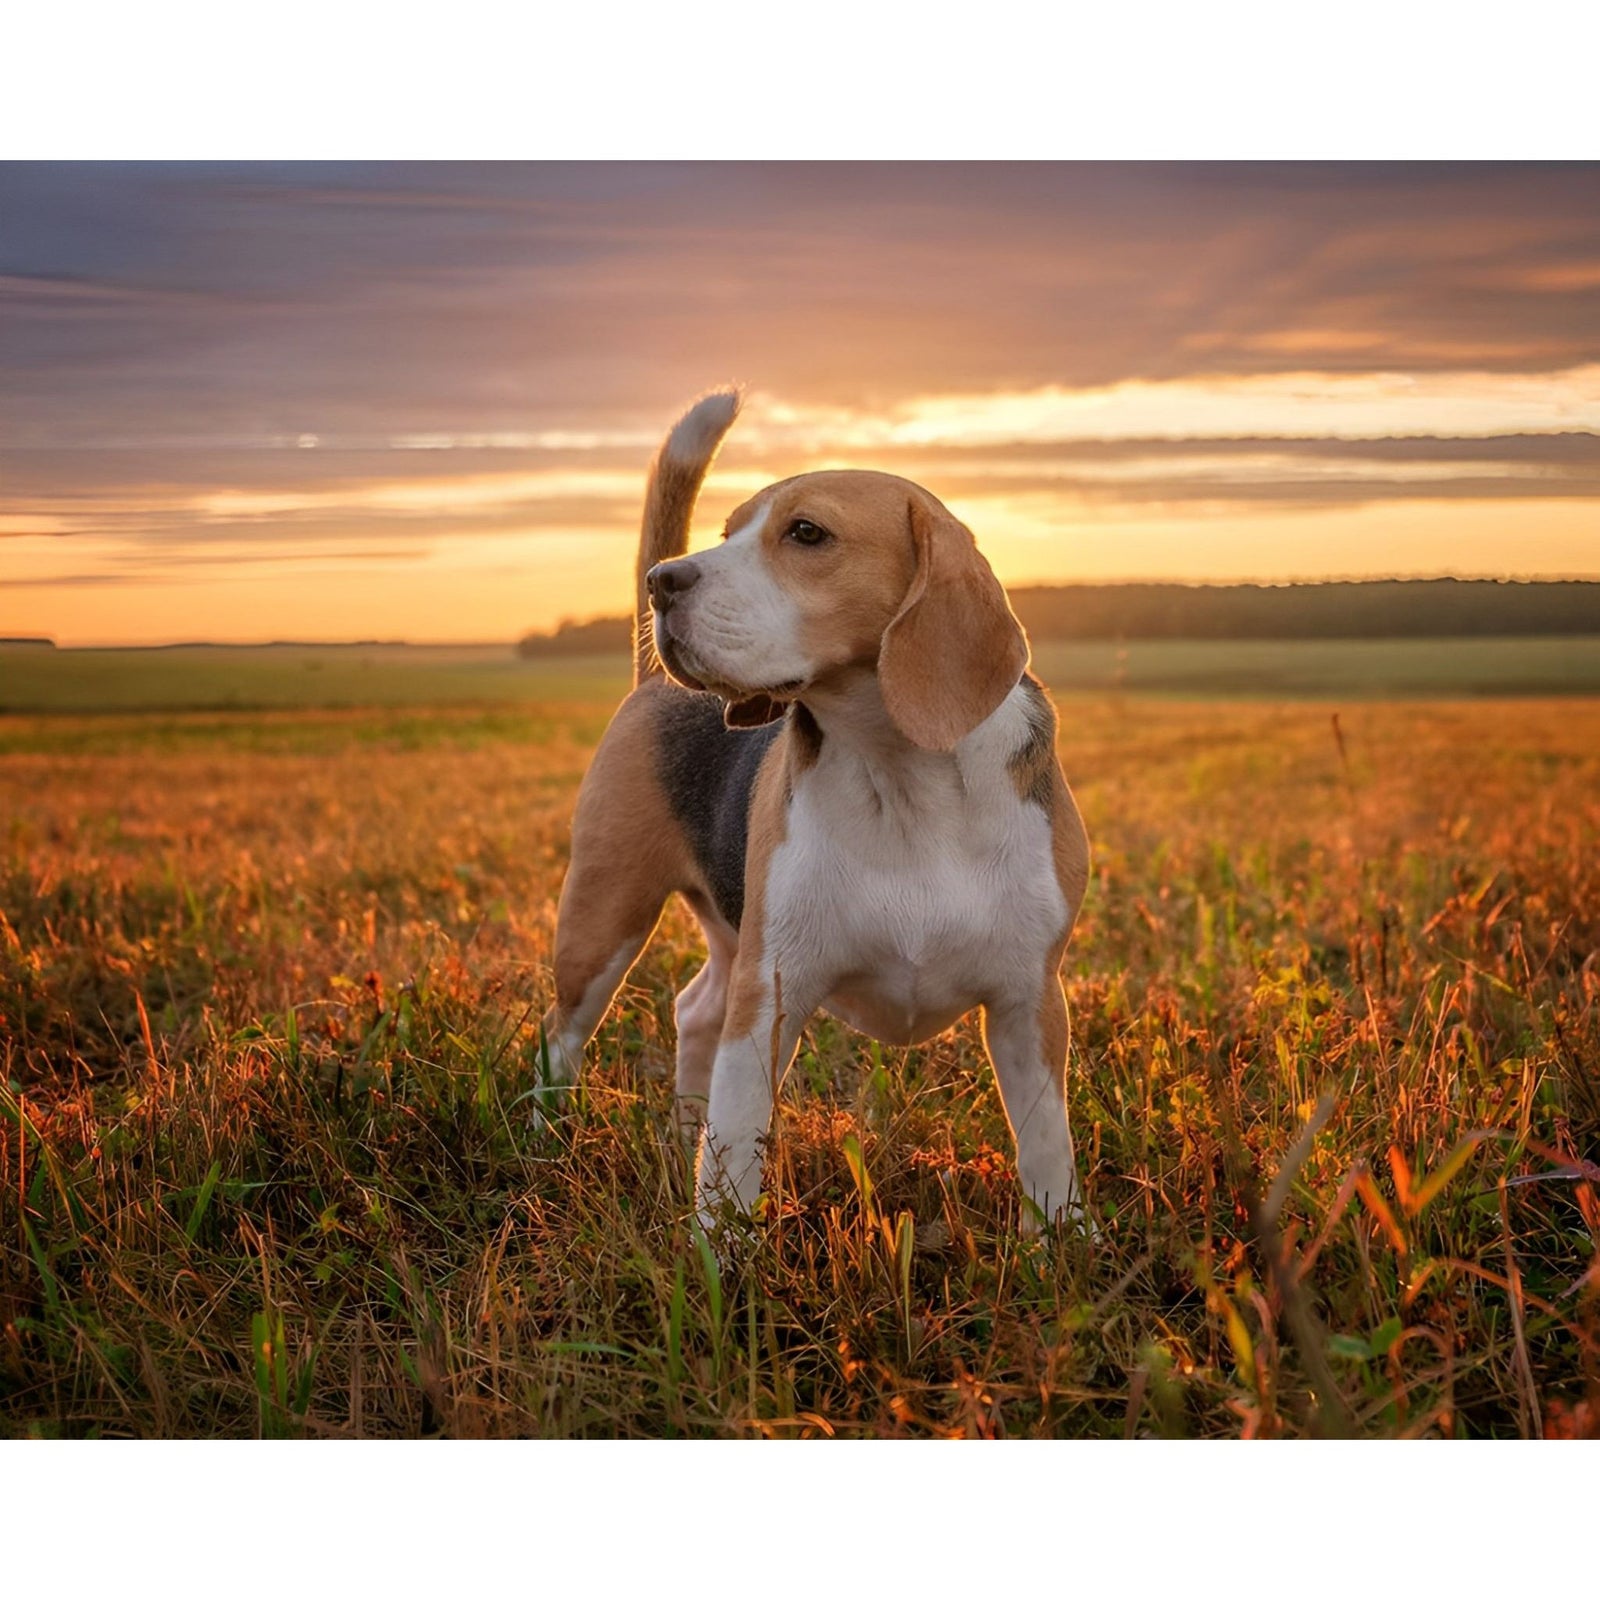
954	651
628	855
1053	1028
846	594
1034	769
679	468
1070	840
890	634
1070	848
902	586
768	828
1030	774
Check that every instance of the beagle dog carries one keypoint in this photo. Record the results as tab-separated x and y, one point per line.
833	751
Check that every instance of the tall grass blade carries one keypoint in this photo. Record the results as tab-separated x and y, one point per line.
850	1145
202	1201
675	1368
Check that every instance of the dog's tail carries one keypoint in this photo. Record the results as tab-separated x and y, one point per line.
678	471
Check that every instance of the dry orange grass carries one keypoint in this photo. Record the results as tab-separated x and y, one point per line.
274	1157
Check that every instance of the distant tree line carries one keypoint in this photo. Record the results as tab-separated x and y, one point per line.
605	636
1403	608
1381	609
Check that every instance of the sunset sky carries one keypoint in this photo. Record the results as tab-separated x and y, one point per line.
417	401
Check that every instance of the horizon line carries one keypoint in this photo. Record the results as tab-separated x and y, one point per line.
35	641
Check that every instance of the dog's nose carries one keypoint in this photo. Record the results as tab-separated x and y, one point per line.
668	579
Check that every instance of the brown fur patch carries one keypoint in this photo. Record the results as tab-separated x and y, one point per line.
1070	842
769	827
847	590
954	651
628	853
897	585
804	739
1053	1025
1033	767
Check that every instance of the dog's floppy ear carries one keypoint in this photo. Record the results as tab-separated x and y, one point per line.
954	650
755	711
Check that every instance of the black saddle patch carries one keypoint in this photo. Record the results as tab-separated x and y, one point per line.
708	771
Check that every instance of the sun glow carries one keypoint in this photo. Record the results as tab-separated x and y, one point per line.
1264	405
1224	478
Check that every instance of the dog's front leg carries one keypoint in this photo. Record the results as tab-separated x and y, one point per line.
759	1037
1026	1037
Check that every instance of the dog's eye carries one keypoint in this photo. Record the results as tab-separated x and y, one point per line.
803	532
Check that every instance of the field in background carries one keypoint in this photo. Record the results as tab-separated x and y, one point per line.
274	1155
200	677
212	677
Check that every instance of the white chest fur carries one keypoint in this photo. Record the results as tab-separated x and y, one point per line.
911	889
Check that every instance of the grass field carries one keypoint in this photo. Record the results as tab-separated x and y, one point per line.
201	677
274	1157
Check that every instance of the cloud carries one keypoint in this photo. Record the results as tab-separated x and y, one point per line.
289	504
482	358
1282	405
439	300
77	580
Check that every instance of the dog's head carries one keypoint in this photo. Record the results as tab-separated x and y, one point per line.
824	574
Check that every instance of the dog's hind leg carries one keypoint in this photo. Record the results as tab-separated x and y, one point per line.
602	925
626	860
605	920
588	976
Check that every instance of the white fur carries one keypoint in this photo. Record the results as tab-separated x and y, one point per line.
910	887
920	884
708	419
738	626
699	1012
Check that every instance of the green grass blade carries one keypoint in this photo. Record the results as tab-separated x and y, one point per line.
1434	1184
202	1203
52	1295
675	1370
857	1163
